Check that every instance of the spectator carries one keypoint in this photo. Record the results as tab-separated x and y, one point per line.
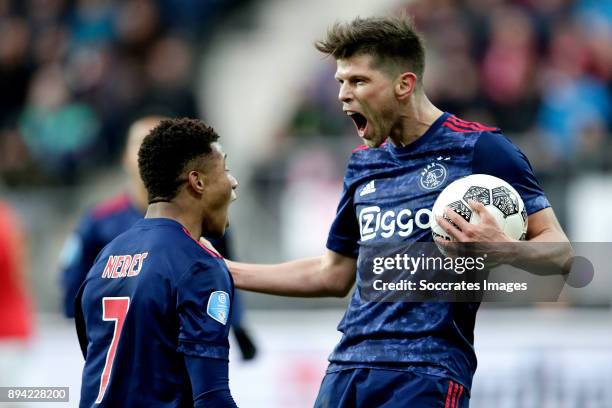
16	316
57	130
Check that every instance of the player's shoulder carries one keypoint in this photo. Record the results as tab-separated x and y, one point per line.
200	260
201	251
167	244
483	139
494	144
189	250
110	207
457	125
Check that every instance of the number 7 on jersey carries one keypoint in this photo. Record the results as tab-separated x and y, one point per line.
113	309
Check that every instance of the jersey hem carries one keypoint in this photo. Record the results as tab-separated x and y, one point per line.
335	367
342	249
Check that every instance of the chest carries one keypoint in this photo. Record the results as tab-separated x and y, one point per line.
395	204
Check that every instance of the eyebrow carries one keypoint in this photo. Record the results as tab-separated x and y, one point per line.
351	77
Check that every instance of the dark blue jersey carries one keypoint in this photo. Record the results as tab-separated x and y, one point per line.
96	229
387	199
99	226
154	308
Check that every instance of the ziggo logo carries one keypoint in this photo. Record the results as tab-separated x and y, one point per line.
371	220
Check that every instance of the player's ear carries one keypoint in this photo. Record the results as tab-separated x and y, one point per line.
196	181
405	85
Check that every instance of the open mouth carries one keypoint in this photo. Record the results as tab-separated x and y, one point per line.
361	122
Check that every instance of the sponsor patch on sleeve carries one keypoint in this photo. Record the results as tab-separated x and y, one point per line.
219	306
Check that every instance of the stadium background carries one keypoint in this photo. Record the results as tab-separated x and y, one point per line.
74	73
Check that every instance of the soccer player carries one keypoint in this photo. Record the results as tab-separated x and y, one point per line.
112	217
154	311
401	354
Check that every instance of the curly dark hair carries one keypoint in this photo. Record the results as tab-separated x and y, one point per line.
167	150
390	40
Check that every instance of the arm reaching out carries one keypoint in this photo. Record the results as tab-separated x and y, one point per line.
332	274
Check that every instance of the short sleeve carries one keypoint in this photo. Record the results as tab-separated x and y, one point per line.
204	297
497	156
344	232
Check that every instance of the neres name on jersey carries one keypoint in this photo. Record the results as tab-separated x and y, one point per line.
121	266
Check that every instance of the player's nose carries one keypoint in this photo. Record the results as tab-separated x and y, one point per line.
233	182
344	95
234	185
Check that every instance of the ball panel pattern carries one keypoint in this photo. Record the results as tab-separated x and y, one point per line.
480	194
505	201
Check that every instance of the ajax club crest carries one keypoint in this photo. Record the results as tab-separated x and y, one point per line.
433	175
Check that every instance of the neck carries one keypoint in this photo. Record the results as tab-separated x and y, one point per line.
139	198
177	211
418	116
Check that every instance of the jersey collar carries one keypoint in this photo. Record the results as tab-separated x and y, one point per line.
158	222
395	150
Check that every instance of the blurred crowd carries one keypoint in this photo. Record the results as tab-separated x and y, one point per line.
74	73
541	70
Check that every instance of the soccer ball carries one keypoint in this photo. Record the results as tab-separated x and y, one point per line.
498	197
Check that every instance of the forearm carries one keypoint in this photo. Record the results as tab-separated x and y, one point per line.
300	278
209	382
548	253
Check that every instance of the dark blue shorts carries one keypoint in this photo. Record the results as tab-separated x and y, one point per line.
381	388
